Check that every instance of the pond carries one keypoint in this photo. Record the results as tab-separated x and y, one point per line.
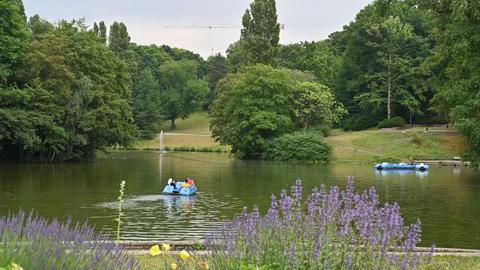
446	199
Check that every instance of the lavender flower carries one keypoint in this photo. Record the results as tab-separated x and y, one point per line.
328	230
37	243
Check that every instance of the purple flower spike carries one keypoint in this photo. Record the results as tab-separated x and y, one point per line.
330	229
37	243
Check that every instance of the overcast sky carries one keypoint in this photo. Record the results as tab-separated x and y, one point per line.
146	19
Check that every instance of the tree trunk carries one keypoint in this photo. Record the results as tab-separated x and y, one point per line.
305	124
411	118
173	124
389	86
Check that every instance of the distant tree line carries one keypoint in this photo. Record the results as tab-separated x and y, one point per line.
413	60
68	90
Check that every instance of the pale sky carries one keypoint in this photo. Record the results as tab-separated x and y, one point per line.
146	19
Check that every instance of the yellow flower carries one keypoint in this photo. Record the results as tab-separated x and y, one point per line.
166	247
155	250
173	266
205	265
15	266
184	255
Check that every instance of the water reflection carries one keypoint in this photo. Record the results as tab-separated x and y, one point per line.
446	199
174	204
401	173
172	217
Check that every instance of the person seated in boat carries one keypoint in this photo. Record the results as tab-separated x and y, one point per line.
185	184
172	182
190	182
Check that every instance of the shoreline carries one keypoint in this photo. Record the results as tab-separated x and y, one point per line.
433	161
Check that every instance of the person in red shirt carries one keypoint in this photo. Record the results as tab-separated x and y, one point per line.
190	182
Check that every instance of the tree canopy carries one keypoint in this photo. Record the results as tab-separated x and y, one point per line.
13	37
72	98
383	53
217	69
182	92
252	107
455	67
260	33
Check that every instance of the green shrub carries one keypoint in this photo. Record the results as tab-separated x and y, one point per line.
324	130
378	159
392	122
299	147
358	122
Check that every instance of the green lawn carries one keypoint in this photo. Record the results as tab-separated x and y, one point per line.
373	145
192	132
369	145
196	123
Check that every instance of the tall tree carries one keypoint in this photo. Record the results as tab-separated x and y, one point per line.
95	29
146	106
261	32
38	25
182	92
456	66
383	53
398	71
217	69
13	37
102	31
118	39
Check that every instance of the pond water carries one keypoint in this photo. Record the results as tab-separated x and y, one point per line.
446	199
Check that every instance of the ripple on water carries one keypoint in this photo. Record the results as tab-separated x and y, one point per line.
162	217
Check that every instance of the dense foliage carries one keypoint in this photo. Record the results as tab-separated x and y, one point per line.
455	66
217	69
251	108
330	229
146	103
318	58
13	38
396	121
315	104
67	91
259	38
69	98
32	242
262	103
182	92
299	147
383	53
260	33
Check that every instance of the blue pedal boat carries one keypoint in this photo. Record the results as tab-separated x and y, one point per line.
179	190
402	166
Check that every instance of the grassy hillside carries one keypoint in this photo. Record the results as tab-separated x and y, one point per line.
192	132
375	145
196	123
369	145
